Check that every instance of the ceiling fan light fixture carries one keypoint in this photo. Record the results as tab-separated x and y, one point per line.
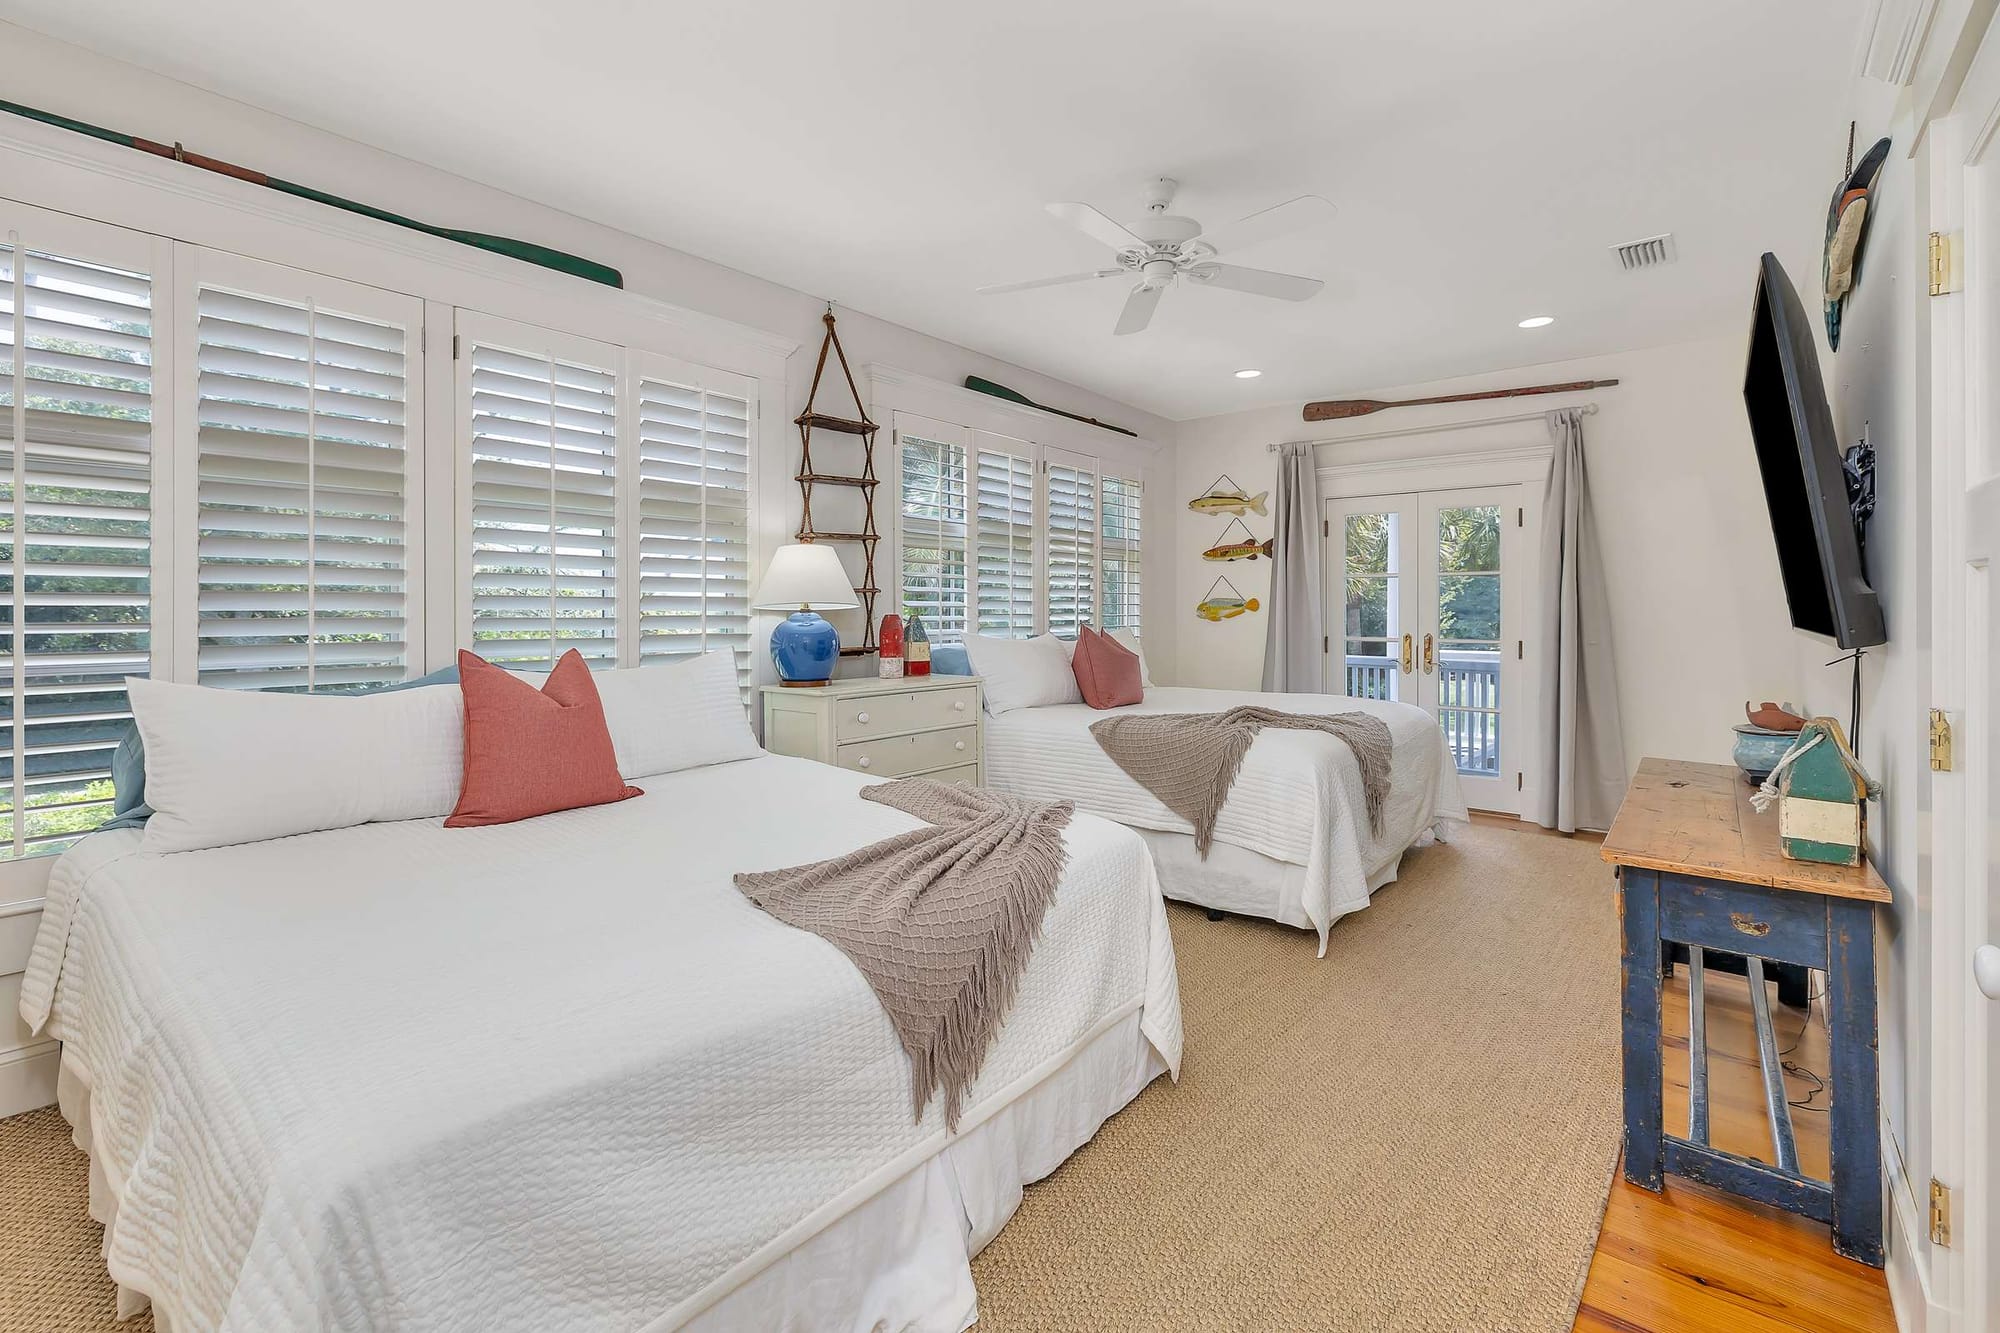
1536	322
1247	374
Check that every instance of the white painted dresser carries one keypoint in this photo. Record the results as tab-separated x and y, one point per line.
929	725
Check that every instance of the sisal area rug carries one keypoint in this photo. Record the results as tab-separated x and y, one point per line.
1412	1135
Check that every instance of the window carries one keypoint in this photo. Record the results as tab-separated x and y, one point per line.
694	519
982	547
933	532
76	431
303	398
1006	542
543	421
1071	482
1118	559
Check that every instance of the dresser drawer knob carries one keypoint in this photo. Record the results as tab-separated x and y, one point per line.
861	717
959	705
959	745
864	761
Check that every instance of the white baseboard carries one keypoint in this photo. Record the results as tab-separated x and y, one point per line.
1907	1261
28	1078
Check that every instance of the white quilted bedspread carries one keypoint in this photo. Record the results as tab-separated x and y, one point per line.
550	1075
1297	798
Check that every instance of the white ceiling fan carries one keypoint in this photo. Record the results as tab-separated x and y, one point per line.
1163	247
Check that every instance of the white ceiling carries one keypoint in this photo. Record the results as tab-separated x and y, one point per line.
894	156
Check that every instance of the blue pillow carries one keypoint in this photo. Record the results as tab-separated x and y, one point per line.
128	761
949	659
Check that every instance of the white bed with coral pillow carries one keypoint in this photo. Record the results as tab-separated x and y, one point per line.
1292	842
560	1073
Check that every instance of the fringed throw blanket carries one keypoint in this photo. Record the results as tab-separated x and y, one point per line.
940	920
1189	760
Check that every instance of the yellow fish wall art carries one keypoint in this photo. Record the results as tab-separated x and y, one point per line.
1229	498
1224	602
1247	547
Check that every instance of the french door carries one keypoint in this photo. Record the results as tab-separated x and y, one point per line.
1426	595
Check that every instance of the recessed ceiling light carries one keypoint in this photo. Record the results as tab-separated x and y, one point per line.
1537	321
1248	374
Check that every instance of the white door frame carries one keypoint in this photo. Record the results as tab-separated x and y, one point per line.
1408	464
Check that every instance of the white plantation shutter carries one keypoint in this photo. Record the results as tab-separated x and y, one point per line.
541	411
1070	482
76	429
305	537
1119	502
1004	543
931	525
694	517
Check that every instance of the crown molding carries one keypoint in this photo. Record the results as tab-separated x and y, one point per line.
1892	37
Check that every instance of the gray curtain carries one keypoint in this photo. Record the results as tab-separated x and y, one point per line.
1294	648
1581	751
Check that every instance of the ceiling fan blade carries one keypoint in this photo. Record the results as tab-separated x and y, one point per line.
1097	226
1050	282
1138	311
1308	210
1256	281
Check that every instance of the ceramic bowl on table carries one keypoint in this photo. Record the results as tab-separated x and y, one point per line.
1758	750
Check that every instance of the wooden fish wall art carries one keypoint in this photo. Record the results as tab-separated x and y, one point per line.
1245	548
1229	499
1224	602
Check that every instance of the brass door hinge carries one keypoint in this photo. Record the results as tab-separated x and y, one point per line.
1940	741
1943	256
1940	1213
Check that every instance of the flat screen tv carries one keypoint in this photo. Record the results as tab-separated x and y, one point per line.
1819	550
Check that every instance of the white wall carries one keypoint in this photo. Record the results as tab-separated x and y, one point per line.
1698	614
1879	380
70	81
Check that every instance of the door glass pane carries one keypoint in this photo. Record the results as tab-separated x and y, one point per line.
1468	621
1370	629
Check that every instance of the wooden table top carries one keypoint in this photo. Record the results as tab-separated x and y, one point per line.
1697	819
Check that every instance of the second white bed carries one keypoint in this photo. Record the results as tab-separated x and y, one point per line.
1292	842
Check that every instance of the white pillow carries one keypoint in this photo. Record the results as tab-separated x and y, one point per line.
230	766
677	715
1023	673
1127	639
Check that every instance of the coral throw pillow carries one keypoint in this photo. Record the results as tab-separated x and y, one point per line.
532	752
1106	670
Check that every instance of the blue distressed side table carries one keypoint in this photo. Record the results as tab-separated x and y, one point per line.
1698	865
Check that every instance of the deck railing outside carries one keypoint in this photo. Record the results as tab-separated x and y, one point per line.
1468	700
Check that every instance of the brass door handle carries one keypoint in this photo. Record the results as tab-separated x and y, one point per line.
1409	654
1430	656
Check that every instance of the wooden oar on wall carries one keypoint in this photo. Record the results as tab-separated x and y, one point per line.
1339	409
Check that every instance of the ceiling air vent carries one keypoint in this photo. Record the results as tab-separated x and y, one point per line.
1649	252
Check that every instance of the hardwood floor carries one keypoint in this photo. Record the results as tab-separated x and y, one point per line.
1693	1260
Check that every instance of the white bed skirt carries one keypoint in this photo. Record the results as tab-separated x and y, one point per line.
899	1262
1236	879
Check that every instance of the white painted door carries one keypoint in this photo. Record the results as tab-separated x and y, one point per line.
1427	597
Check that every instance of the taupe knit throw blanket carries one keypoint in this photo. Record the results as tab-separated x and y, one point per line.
1190	760
940	920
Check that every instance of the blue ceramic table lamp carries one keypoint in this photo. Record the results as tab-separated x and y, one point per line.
805	579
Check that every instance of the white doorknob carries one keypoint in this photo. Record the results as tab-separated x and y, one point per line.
1986	970
861	717
959	746
864	761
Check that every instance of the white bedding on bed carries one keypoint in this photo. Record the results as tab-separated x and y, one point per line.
554	1074
1297	799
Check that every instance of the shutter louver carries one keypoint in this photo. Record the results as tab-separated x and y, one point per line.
76	413
933	534
1118	589
1005	553
303	536
694	523
544	513
1072	521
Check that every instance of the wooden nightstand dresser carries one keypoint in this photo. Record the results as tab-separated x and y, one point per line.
928	725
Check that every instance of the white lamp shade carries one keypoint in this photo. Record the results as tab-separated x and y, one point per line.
805	575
